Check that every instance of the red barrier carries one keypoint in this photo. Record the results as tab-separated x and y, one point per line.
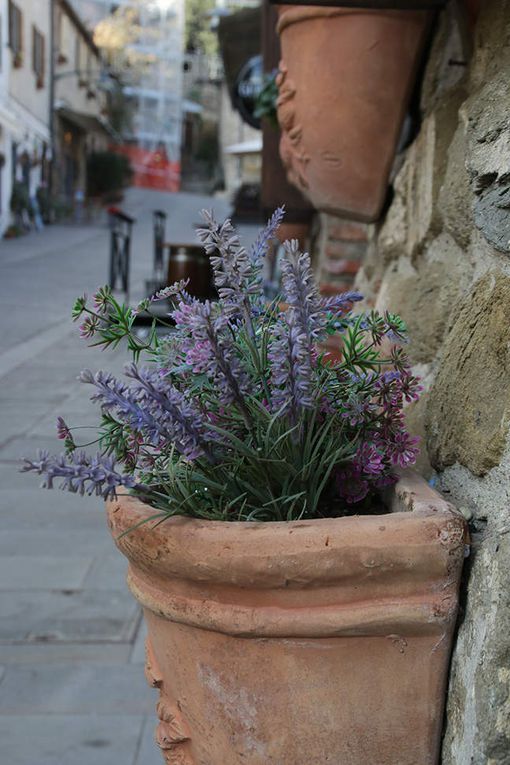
152	169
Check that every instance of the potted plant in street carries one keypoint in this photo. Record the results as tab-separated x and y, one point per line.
300	596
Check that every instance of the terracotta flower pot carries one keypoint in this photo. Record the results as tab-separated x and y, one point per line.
314	642
345	80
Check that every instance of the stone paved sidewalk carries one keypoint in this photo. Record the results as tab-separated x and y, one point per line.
72	689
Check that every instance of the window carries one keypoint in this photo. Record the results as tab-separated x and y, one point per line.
38	57
16	33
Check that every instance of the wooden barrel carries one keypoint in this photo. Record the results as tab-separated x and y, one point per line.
189	261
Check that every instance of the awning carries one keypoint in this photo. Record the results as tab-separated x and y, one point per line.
88	123
253	146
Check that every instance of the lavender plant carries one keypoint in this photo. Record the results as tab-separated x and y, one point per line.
239	414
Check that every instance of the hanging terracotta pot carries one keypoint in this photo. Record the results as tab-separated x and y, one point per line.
299	643
299	231
344	84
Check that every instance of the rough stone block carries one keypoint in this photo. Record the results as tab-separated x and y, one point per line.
425	293
469	408
478	708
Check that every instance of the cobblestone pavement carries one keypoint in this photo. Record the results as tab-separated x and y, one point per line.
72	689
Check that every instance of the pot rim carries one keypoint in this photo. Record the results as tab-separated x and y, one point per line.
374	574
267	554
295	14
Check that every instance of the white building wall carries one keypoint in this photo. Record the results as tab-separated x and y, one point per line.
29	102
24	108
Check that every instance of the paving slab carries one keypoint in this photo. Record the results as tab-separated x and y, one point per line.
68	616
112	690
149	752
18	447
70	740
44	541
29	572
108	572
60	653
25	506
138	653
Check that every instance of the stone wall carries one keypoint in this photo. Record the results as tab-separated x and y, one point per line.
441	258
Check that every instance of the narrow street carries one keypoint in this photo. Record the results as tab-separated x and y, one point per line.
72	688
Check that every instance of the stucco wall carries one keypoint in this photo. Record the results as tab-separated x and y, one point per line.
23	90
441	258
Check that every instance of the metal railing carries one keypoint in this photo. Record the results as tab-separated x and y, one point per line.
121	226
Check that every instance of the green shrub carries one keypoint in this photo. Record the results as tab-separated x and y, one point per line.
107	172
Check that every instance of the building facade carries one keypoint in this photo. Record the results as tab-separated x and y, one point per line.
81	90
152	81
25	136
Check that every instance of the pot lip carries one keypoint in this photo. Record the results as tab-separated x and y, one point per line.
410	498
293	14
311	553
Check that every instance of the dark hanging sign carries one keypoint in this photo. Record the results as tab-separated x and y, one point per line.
248	84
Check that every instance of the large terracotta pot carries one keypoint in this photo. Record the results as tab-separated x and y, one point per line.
345	80
302	643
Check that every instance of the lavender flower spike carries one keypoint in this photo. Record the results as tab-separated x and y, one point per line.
234	275
81	474
114	395
291	371
261	245
181	417
300	291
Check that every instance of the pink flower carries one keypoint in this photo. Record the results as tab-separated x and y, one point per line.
403	449
63	431
369	460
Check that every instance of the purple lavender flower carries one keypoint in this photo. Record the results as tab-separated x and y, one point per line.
261	245
301	293
154	408
342	303
181	417
178	289
81	474
291	370
234	274
209	328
